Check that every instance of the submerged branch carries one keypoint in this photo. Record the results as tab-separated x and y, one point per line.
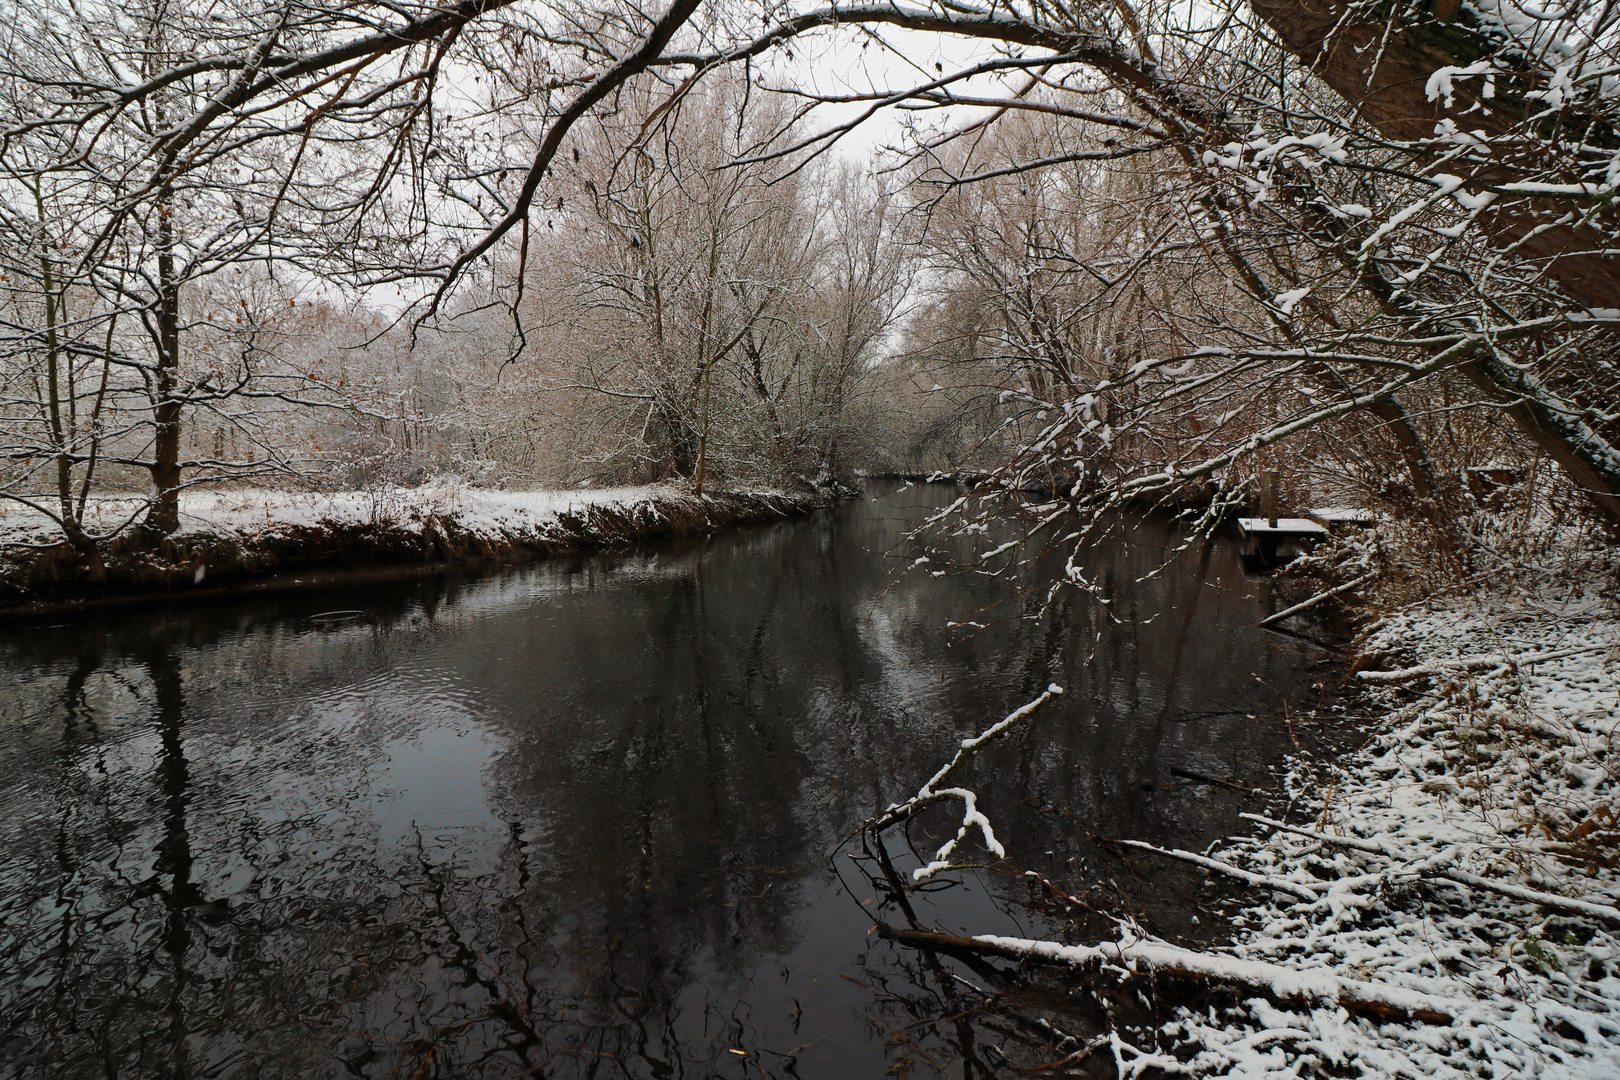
1134	955
1317	599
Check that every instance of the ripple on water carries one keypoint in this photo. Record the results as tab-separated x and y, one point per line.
571	817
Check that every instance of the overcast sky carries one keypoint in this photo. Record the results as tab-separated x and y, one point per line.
834	62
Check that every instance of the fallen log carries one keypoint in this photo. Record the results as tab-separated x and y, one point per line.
1138	957
1471	664
1552	901
1313	601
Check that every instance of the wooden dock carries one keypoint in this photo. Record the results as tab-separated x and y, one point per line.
1272	542
1281	528
1335	517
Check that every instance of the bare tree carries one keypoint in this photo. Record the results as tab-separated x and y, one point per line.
675	257
723	321
114	246
1374	252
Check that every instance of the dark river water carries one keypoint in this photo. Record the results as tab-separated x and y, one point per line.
578	818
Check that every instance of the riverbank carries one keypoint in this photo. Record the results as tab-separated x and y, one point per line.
260	539
1442	902
1445	901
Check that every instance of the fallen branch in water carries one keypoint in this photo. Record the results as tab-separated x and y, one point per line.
1138	956
933	792
1313	601
1188	774
1246	876
1552	901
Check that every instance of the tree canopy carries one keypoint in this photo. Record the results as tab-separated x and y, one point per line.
1314	211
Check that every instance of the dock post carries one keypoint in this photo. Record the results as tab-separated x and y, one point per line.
1268	496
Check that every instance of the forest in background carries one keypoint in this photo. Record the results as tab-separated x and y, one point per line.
1120	254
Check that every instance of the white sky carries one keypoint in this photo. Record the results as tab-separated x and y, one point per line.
834	62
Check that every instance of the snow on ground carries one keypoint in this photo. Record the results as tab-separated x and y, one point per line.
257	510
1493	770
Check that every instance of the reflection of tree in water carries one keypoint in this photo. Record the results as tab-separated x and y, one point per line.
654	769
329	955
192	884
117	958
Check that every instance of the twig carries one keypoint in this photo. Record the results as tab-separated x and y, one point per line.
1188	774
1075	1058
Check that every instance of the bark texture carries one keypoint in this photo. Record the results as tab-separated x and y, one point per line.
1384	72
1383	69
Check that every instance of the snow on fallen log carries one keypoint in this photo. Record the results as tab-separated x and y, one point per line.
1466	665
1264	881
1552	901
1136	955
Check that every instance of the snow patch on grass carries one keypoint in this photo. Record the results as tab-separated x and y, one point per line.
256	511
1495	764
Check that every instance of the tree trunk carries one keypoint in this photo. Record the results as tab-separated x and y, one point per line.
1385	71
61	435
1589	459
683	444
1418	465
1386	74
827	474
164	516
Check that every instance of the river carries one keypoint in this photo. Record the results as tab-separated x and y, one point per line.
577	818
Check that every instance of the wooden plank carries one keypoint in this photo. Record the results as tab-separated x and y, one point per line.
1284	527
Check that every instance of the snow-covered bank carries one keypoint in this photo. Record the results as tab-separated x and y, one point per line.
229	537
1465	859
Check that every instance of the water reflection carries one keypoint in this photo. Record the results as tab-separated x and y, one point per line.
569	819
